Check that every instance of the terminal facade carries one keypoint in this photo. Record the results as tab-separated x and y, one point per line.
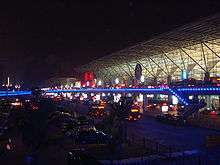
191	51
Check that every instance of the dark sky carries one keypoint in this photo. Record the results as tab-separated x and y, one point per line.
42	39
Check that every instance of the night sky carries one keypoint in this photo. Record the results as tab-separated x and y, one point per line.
41	39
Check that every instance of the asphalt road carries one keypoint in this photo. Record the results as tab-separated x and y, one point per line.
186	137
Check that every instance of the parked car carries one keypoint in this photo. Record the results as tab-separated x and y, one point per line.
92	137
80	157
87	102
210	112
97	111
83	123
69	128
171	119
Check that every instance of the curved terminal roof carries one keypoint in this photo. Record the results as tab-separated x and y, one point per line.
194	47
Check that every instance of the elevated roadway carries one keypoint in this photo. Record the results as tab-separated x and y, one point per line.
180	92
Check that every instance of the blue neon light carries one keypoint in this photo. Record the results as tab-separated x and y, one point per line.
210	89
107	90
14	93
129	90
179	98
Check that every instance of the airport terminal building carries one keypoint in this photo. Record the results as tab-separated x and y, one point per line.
190	51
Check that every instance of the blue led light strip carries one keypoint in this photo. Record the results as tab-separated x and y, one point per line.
146	90
178	96
14	93
208	89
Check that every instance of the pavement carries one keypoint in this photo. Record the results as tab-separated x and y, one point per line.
184	137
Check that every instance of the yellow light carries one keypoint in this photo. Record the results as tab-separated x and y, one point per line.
134	110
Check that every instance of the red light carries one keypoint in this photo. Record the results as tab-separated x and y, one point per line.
88	76
213	113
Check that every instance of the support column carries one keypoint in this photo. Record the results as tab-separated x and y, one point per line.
207	77
218	101
195	97
208	101
155	83
169	95
145	102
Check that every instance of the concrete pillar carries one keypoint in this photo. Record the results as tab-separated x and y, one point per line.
155	81
155	97
218	101
207	77
195	97
208	101
145	102
169	95
134	96
169	79
170	99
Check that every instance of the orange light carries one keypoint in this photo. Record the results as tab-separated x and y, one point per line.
16	104
102	103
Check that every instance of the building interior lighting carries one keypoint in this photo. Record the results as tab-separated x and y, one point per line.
99	83
142	78
116	81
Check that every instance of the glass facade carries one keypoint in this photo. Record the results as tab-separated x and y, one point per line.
193	49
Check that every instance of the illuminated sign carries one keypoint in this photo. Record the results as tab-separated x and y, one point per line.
88	76
164	108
